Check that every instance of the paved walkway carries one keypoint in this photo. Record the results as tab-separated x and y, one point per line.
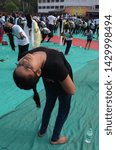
78	42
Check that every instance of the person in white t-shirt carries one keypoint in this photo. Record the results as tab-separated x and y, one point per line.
51	22
21	37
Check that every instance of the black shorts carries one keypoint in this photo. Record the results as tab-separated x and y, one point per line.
89	40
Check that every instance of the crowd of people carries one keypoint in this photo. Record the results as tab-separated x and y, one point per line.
36	28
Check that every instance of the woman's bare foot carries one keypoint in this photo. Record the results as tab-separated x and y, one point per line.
61	140
41	134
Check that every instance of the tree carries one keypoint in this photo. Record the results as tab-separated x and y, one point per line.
26	6
29	6
10	6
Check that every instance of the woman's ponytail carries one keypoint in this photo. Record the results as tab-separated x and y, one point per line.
36	97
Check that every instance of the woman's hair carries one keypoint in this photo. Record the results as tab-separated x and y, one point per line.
27	83
7	29
29	20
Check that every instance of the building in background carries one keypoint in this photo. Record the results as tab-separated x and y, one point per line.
45	6
73	7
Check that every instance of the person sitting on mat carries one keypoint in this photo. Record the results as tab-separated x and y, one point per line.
56	72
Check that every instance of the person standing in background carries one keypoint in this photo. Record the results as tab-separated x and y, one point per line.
68	41
22	39
46	33
89	34
51	22
60	23
32	30
2	21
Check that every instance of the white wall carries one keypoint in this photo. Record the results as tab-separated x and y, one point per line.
68	3
81	2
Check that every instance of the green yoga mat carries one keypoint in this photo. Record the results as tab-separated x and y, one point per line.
20	119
